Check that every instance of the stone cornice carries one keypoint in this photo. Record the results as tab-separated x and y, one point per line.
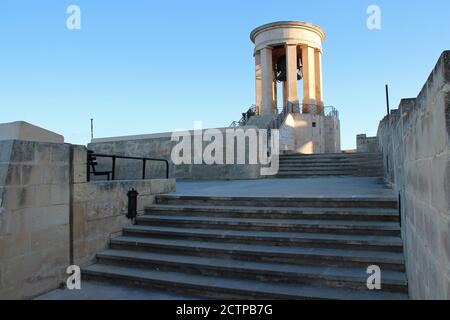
287	24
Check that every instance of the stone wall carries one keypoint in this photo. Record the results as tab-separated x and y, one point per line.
332	134
310	133
34	217
49	214
415	141
367	144
100	207
160	146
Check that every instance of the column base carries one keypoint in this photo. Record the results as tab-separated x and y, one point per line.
313	108
292	107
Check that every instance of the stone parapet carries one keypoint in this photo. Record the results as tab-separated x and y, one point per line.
415	142
49	214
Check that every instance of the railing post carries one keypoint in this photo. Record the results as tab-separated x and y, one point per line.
143	168
167	169
88	169
113	174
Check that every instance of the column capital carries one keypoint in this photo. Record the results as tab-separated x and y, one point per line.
305	46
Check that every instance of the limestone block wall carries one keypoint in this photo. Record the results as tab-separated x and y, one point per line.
332	134
310	133
100	207
367	144
415	141
287	137
50	217
34	217
160	146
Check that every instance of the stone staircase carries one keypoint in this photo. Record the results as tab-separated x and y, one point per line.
339	164
260	248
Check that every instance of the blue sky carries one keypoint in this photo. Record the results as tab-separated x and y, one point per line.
141	67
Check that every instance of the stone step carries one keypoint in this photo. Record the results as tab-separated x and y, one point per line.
223	287
306	174
316	202
328	165
337	158
328	169
338	241
330	162
332	155
292	175
277	212
354	278
292	225
294	255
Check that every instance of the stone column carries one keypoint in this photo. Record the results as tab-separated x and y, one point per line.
309	78
267	105
291	77
318	77
285	100
275	94
258	84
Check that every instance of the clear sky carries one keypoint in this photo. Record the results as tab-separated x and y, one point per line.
144	66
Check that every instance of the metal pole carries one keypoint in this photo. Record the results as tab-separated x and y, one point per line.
92	129
113	174
387	101
143	168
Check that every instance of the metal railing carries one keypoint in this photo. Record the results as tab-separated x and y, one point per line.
312	108
246	116
111	174
331	111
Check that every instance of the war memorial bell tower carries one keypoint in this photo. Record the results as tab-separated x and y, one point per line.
287	53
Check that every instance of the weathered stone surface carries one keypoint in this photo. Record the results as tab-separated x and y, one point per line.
447	113
367	144
416	142
34	214
100	208
59	153
446	59
21	130
14	175
22	151
5	150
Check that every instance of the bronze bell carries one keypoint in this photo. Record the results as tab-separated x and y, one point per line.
299	69
280	68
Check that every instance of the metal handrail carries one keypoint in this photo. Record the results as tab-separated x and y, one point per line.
327	111
92	156
245	117
331	111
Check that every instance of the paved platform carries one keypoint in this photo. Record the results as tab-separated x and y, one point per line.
332	187
91	290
